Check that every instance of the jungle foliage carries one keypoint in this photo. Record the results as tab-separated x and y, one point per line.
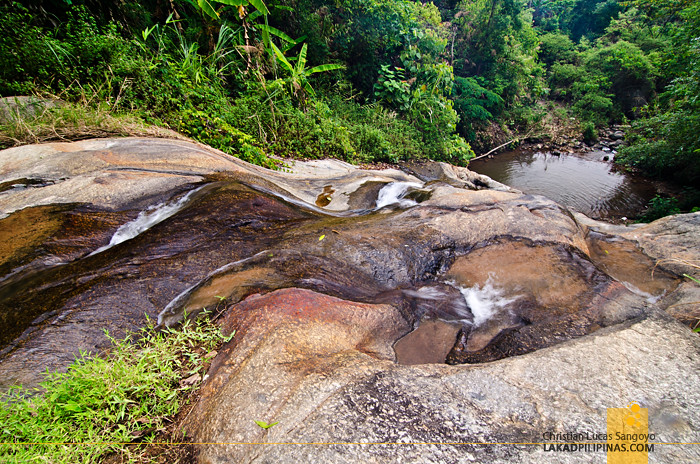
370	80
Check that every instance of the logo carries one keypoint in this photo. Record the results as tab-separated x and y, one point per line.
628	435
626	441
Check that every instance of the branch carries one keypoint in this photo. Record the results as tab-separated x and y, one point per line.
491	151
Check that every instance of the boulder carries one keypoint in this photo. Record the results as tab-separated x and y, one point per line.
25	107
322	369
349	290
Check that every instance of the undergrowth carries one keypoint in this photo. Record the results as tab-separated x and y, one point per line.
114	405
67	121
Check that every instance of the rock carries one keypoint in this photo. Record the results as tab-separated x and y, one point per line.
310	368
617	135
672	241
557	313
109	174
352	188
454	175
190	381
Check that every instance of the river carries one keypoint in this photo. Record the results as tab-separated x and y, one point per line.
583	182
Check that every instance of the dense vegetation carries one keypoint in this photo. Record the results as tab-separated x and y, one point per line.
372	80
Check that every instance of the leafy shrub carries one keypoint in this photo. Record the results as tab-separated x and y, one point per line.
586	90
101	403
33	59
163	77
659	207
628	72
666	145
594	107
474	104
313	135
589	132
562	77
556	47
217	133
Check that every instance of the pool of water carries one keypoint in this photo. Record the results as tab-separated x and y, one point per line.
582	182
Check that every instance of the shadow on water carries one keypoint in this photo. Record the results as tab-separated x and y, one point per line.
585	183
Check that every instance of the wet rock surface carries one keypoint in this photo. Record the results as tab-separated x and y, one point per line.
349	290
339	403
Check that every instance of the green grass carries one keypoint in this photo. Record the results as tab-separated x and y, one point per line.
118	403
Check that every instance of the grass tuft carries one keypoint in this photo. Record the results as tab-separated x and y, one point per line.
114	405
74	121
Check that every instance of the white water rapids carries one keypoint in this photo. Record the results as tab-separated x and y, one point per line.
146	219
393	193
485	302
477	305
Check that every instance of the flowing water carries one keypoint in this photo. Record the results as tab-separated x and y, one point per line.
73	272
394	193
147	219
585	183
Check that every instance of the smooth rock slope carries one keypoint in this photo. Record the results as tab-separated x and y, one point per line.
350	291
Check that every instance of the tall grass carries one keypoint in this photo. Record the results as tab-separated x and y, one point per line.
68	121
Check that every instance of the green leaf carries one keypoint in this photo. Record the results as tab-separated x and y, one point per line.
207	8
254	15
274	31
321	237
302	60
260	6
294	44
325	67
72	406
265	425
281	58
310	90
233	2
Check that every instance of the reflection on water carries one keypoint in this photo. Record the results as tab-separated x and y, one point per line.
584	183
